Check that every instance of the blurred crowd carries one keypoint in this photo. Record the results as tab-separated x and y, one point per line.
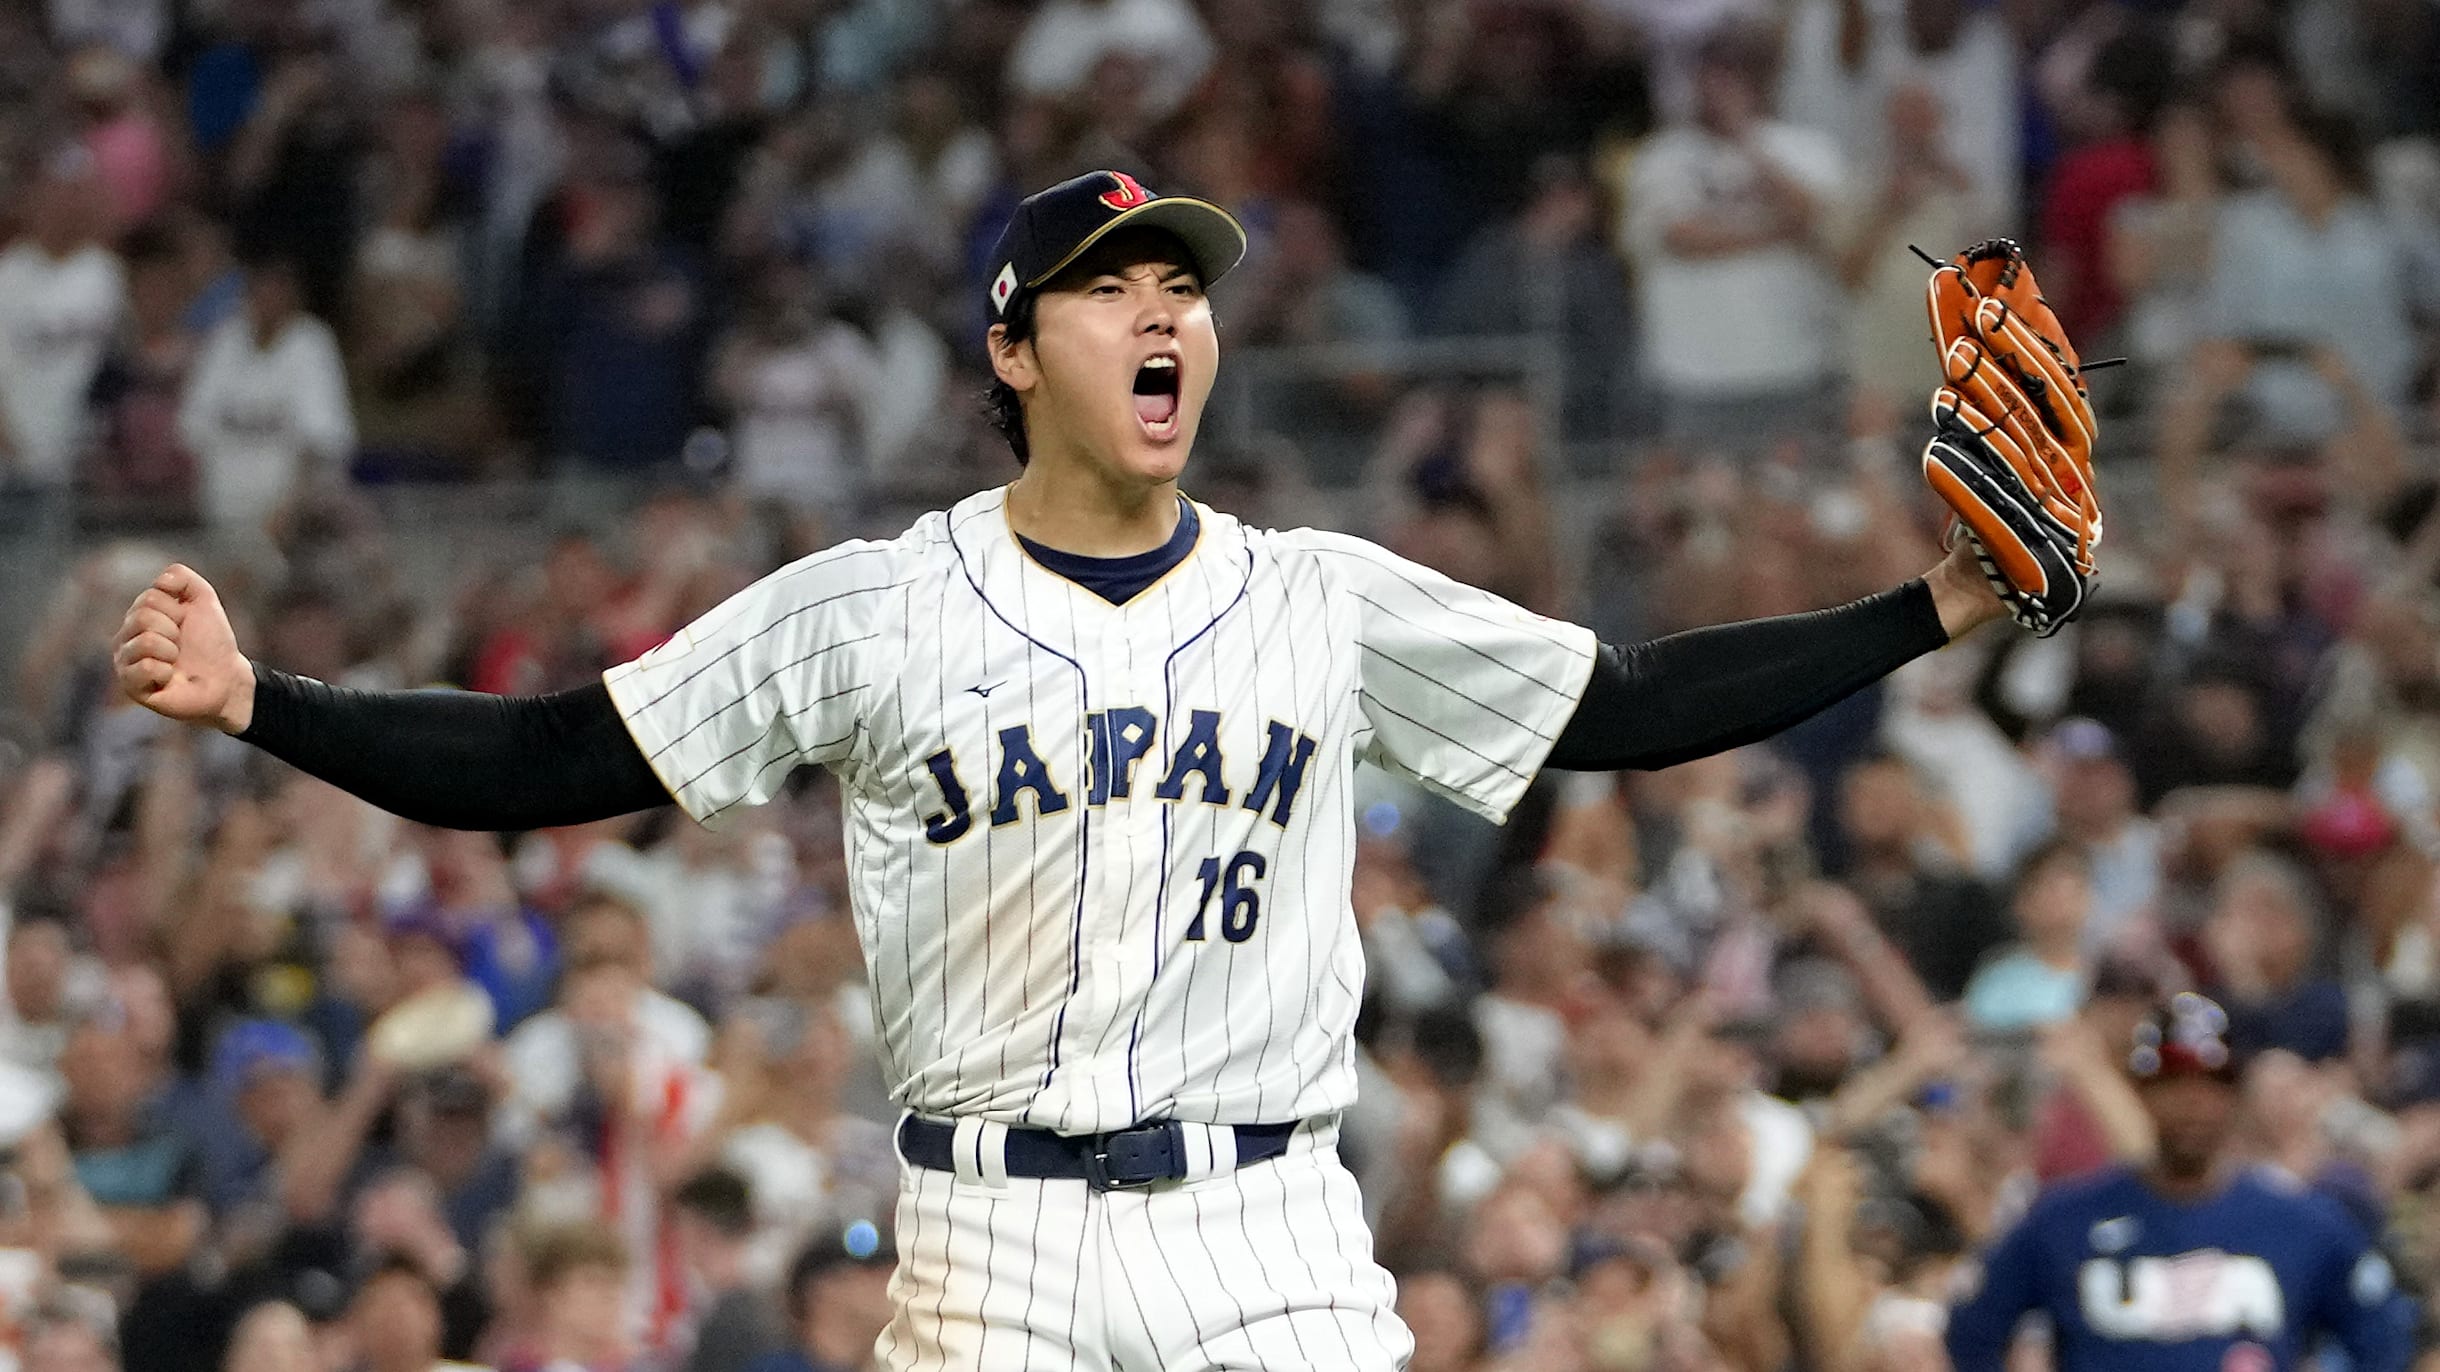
1726	1067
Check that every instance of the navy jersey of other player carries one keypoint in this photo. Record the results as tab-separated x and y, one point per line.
2247	1280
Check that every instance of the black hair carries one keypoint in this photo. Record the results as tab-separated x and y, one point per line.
150	243
999	398
1449	1045
2136	69
1511	897
832	1252
258	246
721	1199
2340	141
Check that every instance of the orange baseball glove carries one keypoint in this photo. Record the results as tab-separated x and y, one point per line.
2013	455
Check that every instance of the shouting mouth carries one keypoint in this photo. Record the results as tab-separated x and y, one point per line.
1156	395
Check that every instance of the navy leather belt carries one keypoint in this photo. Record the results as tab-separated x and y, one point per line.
1125	1160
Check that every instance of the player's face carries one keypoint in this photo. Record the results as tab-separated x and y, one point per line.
2193	1115
1121	362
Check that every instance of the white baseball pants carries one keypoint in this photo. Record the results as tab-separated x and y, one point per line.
1267	1267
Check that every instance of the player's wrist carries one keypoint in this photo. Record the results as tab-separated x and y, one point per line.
237	714
1962	595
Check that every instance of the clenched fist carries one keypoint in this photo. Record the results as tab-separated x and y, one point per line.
178	657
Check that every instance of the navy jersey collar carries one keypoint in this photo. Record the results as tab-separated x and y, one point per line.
1120	579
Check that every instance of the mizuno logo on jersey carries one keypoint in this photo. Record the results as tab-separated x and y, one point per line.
1118	742
2198	1295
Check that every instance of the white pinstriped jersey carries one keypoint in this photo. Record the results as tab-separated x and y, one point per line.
1099	854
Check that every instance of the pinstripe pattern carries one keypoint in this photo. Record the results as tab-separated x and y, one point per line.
1266	1268
1027	949
1037	971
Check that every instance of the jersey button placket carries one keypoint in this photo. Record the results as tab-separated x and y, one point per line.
1100	998
1113	900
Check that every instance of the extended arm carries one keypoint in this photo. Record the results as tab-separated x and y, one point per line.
453	759
1675	699
459	759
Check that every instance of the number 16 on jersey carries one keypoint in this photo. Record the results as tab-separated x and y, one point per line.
1232	880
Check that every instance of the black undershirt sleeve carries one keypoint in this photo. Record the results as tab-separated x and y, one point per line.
459	759
1672	700
466	760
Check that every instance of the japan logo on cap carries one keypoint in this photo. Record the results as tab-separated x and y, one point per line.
1003	286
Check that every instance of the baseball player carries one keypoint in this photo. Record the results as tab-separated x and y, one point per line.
1096	743
2192	1263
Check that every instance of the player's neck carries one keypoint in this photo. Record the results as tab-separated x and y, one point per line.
2186	1188
1062	505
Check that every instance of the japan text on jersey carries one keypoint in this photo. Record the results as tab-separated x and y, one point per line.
1099	854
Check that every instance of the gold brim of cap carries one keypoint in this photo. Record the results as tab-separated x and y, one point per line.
1200	209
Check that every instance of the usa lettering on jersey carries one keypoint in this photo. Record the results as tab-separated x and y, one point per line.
2204	1294
1099	855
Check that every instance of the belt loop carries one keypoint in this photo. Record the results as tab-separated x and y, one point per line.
991	1149
1211	1150
965	1151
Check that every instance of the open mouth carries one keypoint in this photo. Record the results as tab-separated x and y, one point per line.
1156	395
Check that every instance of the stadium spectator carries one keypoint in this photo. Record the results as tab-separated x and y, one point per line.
1922	195
66	1340
394	1321
2042	980
140	1169
799	383
134	154
733	1324
580	1275
2095	800
2109	164
140	472
2299	256
619	324
2262	943
416	382
1724	216
47	985
1070	44
273	1336
838	1302
1941	920
1547	271
63	294
808	1161
266	410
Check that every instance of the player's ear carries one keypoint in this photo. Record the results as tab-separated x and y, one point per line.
1012	360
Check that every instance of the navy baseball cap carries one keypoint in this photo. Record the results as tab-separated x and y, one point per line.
1053	228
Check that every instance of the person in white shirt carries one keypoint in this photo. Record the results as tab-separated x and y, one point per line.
1846	59
266	406
62	298
799	381
1066	42
618	1069
1918	191
1724	219
608	1010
